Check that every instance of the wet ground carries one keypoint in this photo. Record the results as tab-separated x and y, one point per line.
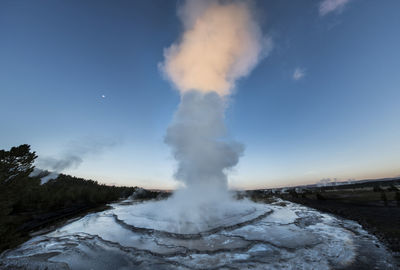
281	235
377	218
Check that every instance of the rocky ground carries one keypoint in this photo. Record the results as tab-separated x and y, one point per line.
374	205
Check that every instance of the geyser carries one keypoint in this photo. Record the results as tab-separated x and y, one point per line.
221	43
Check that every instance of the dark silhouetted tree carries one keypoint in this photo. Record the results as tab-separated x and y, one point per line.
16	163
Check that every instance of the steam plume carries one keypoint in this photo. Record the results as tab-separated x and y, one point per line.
197	137
60	164
73	156
221	43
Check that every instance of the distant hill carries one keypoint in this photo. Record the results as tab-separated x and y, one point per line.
340	185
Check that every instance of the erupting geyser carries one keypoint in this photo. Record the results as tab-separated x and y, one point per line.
197	139
221	43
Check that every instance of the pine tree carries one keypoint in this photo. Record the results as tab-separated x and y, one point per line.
16	163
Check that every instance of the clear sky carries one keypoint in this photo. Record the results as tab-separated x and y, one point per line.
83	77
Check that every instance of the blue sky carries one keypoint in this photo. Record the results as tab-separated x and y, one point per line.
337	118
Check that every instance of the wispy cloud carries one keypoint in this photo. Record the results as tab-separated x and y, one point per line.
328	6
298	73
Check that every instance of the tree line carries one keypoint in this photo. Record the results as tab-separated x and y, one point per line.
25	204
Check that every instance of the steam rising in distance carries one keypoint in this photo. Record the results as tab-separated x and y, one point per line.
73	155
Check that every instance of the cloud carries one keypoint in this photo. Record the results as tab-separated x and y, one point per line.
328	6
298	74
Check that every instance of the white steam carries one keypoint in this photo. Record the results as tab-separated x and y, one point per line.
221	43
73	156
197	138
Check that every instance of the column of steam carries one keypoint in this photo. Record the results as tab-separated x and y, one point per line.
221	43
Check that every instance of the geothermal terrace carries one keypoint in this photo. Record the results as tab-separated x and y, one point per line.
135	235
